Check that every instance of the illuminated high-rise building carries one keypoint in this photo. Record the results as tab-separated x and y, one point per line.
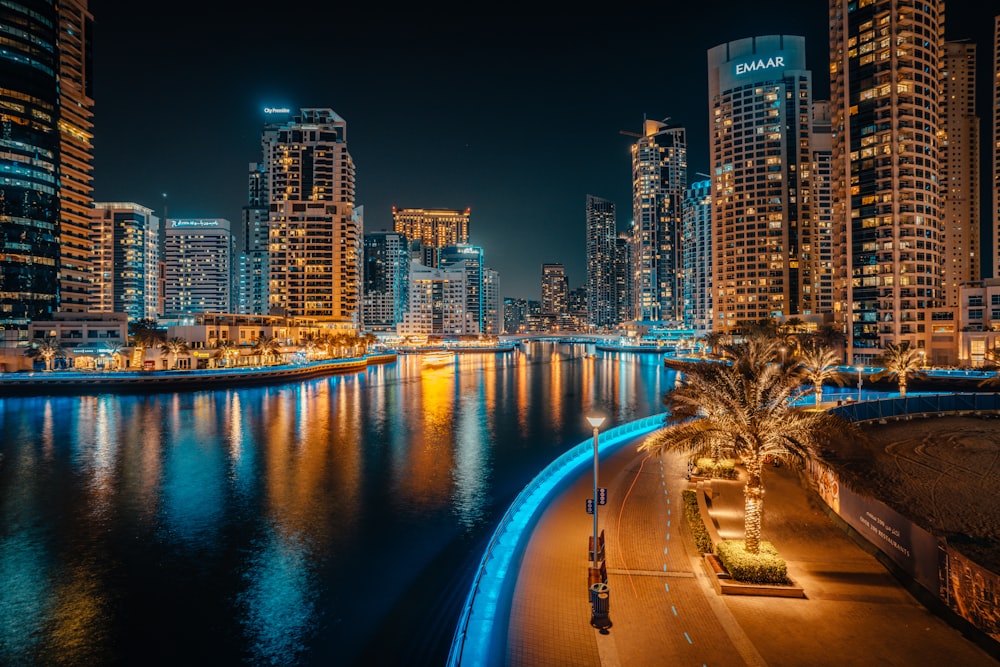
386	280
601	234
622	277
492	305
126	256
46	111
760	98
429	230
250	261
555	289
885	68
817	264
470	258
995	184
437	302
198	256
697	253
959	160
659	179
315	235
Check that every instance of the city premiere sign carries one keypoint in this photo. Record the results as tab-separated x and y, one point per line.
760	63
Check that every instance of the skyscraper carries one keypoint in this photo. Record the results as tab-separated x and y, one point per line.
437	304
492	305
697	245
126	256
555	290
601	234
885	60
470	258
959	169
197	253
429	230
995	190
314	234
386	280
46	111
817	266
622	277
659	178
760	97
250	284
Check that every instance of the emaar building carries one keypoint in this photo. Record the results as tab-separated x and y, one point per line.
760	97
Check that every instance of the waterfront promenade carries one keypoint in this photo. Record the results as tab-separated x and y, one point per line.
664	608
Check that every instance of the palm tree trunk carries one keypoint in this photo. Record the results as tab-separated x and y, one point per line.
902	388
819	393
753	494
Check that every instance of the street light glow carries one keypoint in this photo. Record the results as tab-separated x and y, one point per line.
595	421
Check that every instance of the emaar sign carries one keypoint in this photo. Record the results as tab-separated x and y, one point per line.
759	64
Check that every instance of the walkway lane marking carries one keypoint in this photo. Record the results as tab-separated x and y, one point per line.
667	586
674	609
688	638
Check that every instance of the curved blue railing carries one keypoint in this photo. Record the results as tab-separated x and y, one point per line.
885	408
479	638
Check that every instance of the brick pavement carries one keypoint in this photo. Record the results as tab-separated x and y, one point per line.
663	608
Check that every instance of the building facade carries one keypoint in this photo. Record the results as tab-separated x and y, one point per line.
760	97
429	230
817	261
885	67
555	289
601	234
469	258
493	311
250	279
697	254
197	258
314	235
437	305
46	112
126	253
959	152
659	179
995	189
386	280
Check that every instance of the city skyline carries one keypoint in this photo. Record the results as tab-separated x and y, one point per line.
516	119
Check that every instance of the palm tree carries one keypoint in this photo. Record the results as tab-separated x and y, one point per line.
227	349
819	364
174	346
45	349
744	409
114	349
716	339
266	346
900	362
369	340
145	336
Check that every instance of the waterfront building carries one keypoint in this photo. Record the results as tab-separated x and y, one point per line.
386	280
126	253
979	323
697	254
46	118
84	338
659	179
959	161
197	254
601	233
315	235
885	67
817	262
760	98
995	190
621	279
492	307
429	230
470	258
438	302
250	284
555	289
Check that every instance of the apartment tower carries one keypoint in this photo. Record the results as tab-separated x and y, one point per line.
315	237
126	254
555	289
760	97
46	112
959	153
697	254
885	68
601	234
429	230
198	255
386	280
659	179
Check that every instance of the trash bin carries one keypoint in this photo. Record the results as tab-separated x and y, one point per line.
599	602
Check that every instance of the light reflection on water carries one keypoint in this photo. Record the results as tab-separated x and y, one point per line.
292	524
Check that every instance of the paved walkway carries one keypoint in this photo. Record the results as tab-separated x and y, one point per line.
664	609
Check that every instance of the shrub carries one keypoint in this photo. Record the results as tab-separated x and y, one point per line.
717	469
766	567
693	515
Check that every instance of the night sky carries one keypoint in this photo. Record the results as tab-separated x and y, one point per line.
518	118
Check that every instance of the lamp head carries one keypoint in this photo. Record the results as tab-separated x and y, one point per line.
595	421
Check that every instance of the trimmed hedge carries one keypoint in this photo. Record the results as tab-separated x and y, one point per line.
693	515
721	469
766	567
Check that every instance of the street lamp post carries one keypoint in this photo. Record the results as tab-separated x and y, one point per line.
596	423
860	368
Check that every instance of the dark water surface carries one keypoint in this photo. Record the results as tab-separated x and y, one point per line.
331	521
